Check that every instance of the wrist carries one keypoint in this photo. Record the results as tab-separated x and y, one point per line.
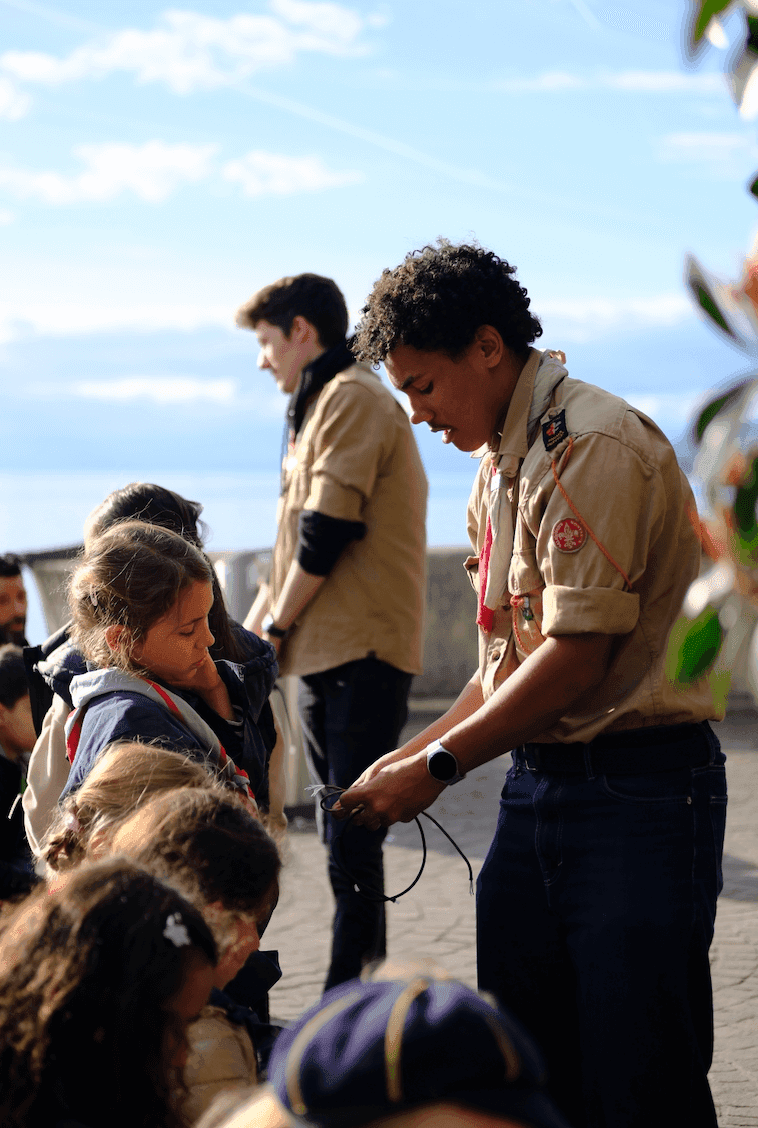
271	628
442	765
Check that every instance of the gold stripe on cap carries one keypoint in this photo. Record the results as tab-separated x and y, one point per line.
300	1045
393	1037
504	1043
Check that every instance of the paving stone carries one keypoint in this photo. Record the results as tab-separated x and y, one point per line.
436	918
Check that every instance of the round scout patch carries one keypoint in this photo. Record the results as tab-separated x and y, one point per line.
569	534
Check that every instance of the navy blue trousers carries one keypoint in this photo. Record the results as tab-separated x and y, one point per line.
595	912
350	716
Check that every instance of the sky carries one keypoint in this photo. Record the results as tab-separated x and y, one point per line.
159	164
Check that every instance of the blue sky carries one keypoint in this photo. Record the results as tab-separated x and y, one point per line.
157	165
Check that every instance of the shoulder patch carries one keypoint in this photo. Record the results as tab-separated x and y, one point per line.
569	534
555	430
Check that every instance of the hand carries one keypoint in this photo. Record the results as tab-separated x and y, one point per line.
391	790
207	681
275	642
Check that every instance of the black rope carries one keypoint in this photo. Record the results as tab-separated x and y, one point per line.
331	791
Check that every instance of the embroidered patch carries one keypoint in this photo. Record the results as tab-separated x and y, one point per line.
569	534
554	431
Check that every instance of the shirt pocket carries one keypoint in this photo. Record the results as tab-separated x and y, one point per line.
471	564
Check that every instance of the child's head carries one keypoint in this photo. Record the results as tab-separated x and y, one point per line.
124	776
140	599
17	733
145	501
99	978
218	855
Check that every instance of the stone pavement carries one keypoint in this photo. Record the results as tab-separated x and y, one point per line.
437	917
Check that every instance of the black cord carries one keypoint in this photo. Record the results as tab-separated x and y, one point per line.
331	791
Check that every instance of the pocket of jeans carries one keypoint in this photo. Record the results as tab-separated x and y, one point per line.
674	786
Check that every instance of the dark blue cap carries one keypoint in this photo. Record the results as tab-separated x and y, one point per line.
371	1049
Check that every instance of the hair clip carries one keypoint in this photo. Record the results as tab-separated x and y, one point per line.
176	931
93	597
71	822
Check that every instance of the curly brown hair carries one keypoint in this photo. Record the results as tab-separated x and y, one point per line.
207	845
88	973
437	299
130	576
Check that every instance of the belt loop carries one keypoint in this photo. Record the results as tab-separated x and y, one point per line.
588	766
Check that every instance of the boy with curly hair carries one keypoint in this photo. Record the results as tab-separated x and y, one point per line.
596	902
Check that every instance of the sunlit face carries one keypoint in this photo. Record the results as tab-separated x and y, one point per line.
12	609
284	357
457	397
176	646
186	1005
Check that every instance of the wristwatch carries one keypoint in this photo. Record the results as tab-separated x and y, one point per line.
442	765
269	627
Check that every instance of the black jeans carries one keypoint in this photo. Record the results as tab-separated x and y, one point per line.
350	716
595	912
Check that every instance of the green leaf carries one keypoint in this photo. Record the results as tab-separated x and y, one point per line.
705	10
693	648
712	409
753	188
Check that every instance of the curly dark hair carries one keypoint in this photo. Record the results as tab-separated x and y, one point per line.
437	299
88	973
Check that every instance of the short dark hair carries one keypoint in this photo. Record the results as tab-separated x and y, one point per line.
437	299
317	299
9	565
13	683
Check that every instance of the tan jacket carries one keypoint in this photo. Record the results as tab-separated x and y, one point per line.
621	474
356	459
221	1058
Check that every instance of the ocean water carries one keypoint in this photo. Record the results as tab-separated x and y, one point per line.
48	510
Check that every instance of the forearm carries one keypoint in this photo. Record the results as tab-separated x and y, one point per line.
468	701
532	700
299	589
538	694
259	609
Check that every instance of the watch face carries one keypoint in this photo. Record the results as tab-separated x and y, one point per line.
442	765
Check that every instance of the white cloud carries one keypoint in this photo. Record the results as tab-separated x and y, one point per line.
13	104
587	319
189	51
155	170
721	150
6	217
151	171
92	315
159	389
273	174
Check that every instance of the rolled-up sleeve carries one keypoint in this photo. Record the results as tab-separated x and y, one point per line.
349	449
619	496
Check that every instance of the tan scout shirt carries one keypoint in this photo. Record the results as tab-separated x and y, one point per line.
622	476
356	459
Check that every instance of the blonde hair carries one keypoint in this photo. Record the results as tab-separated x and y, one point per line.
124	776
